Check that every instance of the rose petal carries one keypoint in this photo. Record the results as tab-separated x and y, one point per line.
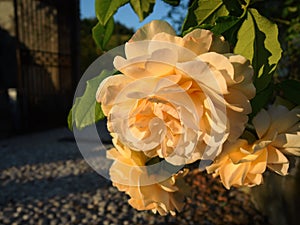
136	49
200	72
261	123
198	40
148	31
174	43
282	118
220	63
219	45
275	156
281	169
287	141
243	73
260	164
237	101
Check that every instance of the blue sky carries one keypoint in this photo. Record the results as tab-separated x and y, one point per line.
125	14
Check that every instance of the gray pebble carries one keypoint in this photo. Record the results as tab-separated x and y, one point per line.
46	181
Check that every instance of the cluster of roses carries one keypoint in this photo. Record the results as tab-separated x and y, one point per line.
182	99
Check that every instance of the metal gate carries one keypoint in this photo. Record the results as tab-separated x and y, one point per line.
47	58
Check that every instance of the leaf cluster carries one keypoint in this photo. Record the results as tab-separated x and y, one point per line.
249	33
105	9
86	110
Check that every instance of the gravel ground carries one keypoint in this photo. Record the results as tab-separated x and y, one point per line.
45	180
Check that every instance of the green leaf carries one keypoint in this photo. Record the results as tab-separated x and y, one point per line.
70	115
209	11
172	2
261	99
290	90
204	12
234	7
142	7
246	38
203	26
102	34
271	43
258	42
86	111
224	23
105	9
248	1
228	27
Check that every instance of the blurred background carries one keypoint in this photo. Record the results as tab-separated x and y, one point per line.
45	47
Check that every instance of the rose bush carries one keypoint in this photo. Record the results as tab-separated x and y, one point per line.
179	98
243	164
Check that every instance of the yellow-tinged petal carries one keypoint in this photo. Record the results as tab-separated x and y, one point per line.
220	63
237	101
233	174
198	40
238	127
281	169
136	49
277	161
254	179
282	118
243	74
110	87
288	141
148	31
168	186
174	43
261	122
259	165
238	157
200	72
276	157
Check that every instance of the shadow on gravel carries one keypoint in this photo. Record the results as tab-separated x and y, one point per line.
48	188
45	180
45	147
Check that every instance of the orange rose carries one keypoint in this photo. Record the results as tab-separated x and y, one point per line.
177	98
129	174
243	164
